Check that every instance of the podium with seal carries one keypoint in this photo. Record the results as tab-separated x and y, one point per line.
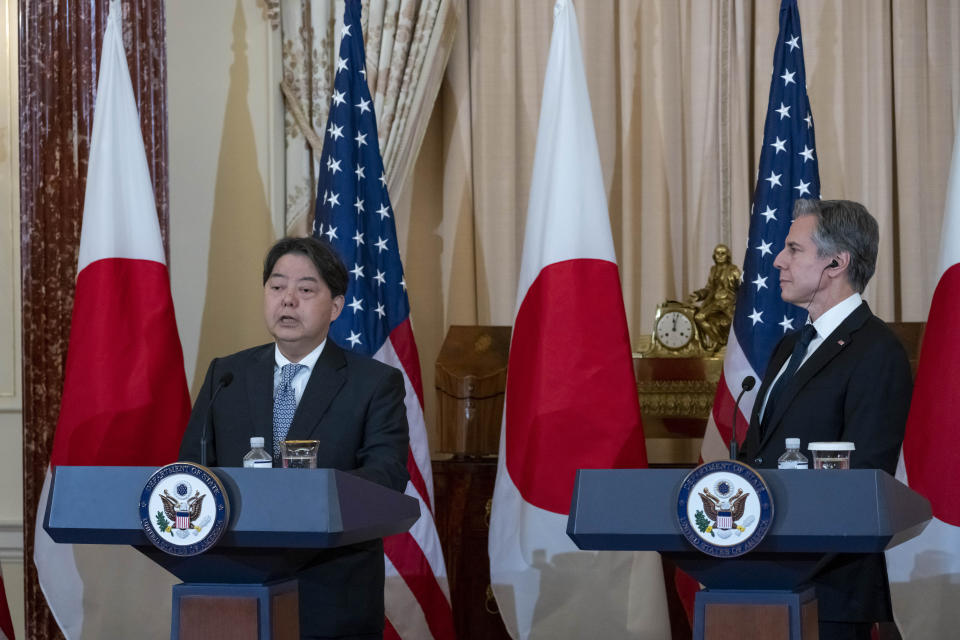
225	533
756	587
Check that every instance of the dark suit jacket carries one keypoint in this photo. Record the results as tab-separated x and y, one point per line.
354	406
855	387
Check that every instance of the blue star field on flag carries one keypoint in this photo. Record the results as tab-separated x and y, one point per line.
353	209
788	171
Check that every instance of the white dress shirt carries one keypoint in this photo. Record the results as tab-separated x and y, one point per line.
299	382
826	324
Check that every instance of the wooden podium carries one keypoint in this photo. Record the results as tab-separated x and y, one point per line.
248	577
764	593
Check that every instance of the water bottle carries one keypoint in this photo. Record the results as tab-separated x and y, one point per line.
258	458
793	459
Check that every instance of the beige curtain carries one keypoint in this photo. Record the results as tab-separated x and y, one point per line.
407	43
679	91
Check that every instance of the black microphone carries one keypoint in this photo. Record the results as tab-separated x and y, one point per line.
224	382
745	386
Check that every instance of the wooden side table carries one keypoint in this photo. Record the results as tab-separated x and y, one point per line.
463	488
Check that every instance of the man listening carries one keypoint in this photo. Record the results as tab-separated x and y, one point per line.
843	377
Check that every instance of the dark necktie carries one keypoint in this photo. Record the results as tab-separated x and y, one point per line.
284	405
807	334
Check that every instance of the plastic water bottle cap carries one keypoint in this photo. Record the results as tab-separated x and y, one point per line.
256	442
793	443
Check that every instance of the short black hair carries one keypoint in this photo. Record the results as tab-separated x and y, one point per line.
321	254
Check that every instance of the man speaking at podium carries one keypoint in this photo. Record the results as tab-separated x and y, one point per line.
843	377
303	386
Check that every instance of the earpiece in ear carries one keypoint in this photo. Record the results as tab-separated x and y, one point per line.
834	263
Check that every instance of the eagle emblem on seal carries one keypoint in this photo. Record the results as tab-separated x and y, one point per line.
184	509
722	511
724	508
181	510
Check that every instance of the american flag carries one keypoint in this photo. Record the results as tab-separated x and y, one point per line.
788	171
353	213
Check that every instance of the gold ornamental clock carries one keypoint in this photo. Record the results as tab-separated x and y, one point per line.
675	331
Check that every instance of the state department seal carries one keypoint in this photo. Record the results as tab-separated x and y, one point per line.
724	508
183	509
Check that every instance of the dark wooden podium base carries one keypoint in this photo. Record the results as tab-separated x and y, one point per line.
236	611
772	615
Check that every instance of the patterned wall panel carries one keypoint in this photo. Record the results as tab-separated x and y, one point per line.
60	44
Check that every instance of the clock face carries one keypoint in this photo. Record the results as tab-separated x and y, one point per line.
674	330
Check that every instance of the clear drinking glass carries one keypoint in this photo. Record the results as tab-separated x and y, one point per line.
831	455
299	454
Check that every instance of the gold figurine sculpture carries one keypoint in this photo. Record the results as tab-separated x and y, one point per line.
714	303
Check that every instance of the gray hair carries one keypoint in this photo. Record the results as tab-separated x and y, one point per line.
844	225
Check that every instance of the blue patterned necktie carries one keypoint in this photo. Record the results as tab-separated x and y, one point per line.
807	334
284	405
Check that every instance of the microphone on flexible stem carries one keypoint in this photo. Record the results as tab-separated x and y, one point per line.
745	386
224	382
